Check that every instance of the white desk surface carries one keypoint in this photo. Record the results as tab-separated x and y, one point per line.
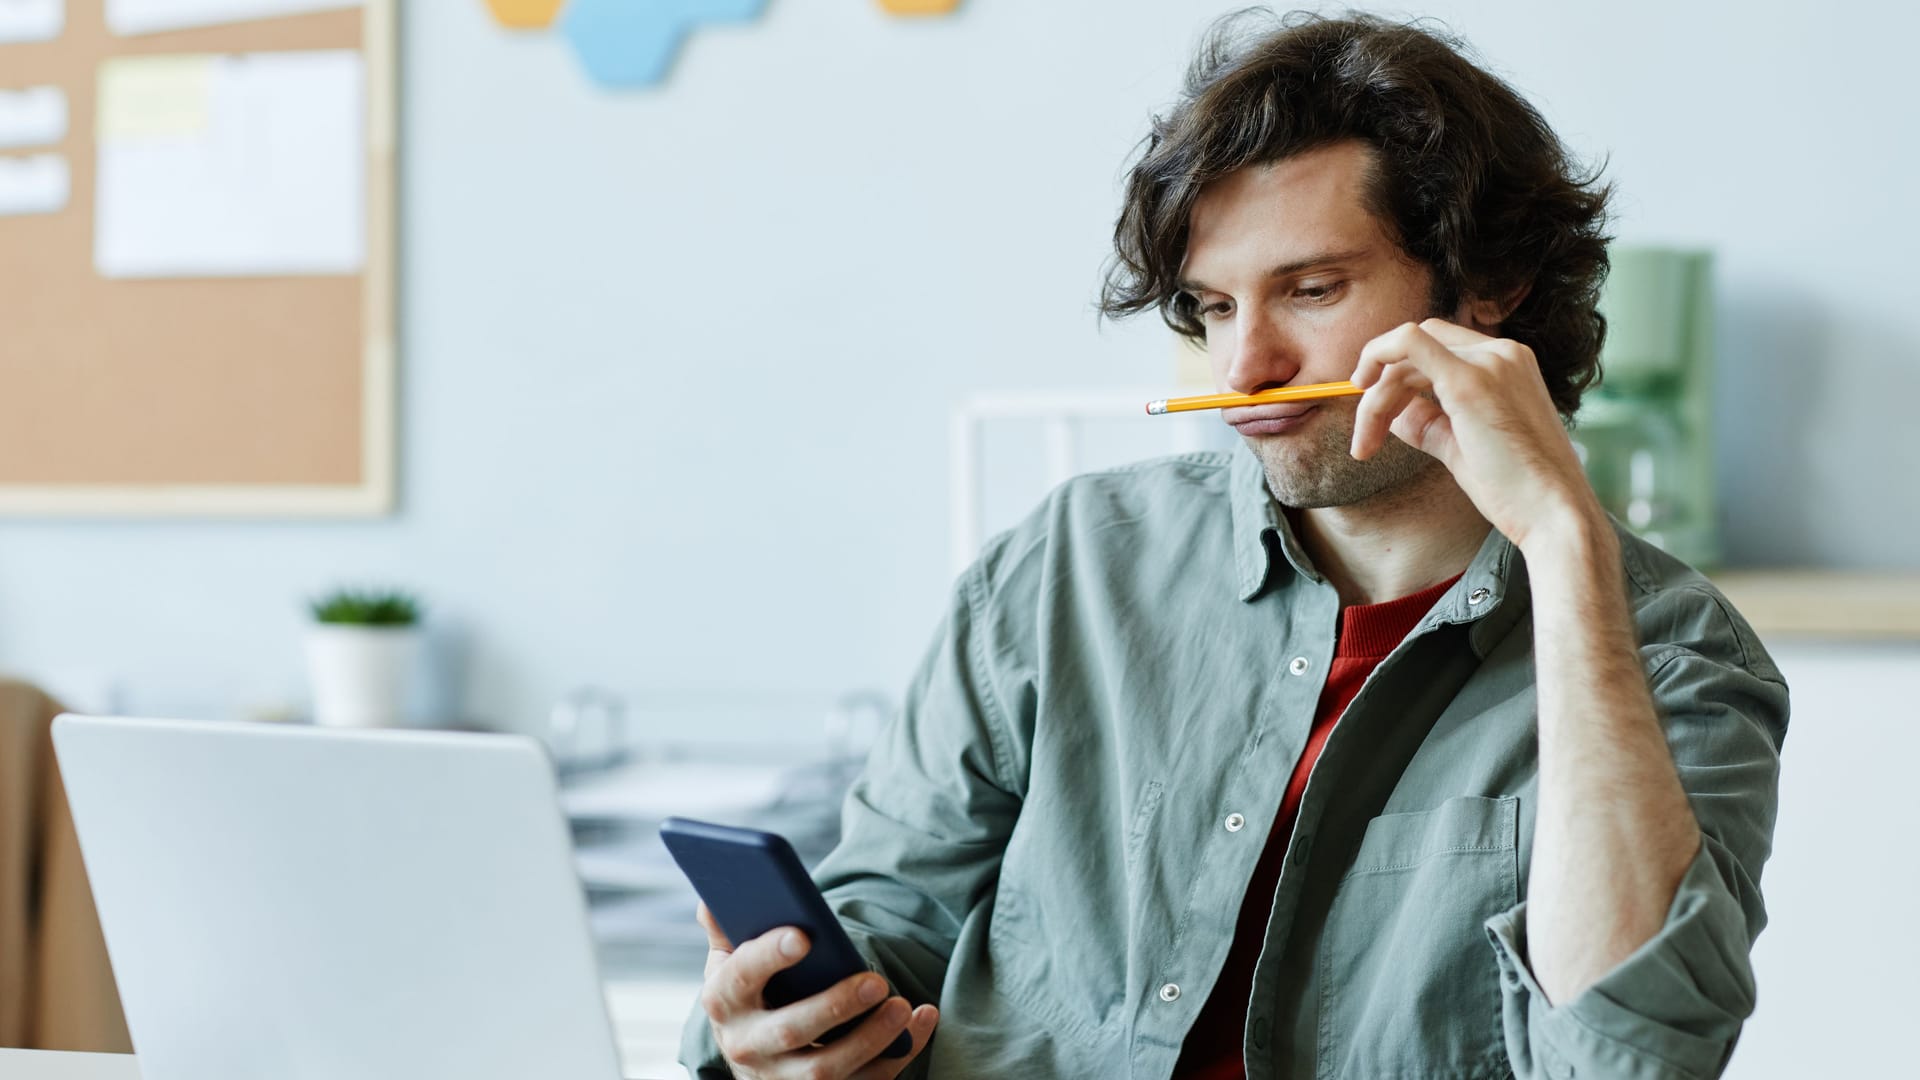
646	1020
57	1065
49	1065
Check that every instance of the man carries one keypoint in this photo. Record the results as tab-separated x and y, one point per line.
1375	750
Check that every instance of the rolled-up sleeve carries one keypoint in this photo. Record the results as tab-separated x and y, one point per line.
1670	1010
924	827
1673	1009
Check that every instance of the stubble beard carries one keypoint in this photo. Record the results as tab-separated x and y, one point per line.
1314	468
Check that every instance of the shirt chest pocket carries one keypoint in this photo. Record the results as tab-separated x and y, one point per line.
1407	984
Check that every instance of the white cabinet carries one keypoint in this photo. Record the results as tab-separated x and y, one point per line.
1837	963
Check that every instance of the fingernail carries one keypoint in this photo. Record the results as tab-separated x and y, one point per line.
873	990
790	944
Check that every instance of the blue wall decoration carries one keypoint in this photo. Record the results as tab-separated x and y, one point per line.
631	43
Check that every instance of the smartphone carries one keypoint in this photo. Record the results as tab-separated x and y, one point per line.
752	882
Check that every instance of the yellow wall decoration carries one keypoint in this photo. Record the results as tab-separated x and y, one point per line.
525	14
920	7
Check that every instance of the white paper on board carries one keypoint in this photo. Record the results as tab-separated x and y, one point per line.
33	185
31	20
229	165
157	16
35	116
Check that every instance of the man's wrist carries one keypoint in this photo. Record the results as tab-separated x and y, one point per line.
1573	534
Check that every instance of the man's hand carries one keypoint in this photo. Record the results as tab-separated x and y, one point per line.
779	1044
1480	406
1615	832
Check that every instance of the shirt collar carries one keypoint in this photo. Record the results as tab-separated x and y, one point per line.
1495	581
1256	517
1491	596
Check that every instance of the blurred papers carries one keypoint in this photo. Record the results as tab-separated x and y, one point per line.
636	893
33	185
231	165
655	792
31	20
35	116
154	16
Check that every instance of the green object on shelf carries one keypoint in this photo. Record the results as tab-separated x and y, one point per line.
368	607
1645	434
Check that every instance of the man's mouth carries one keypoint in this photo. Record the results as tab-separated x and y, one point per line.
1267	419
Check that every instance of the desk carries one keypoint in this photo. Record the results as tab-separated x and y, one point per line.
55	1065
647	1013
48	1065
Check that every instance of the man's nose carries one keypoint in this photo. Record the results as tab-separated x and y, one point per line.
1263	357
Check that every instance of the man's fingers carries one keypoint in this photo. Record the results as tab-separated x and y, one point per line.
800	1025
1453	334
849	1054
1424	426
1501	356
855	1052
716	938
718	947
1399	386
925	1018
738	984
1408	344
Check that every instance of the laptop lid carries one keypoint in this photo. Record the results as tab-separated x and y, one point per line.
293	902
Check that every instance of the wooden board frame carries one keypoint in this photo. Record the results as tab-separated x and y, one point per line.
374	493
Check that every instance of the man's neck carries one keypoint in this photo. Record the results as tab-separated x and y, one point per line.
1396	543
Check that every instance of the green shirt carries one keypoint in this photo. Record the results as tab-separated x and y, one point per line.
1053	842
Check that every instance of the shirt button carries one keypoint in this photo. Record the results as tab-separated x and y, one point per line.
1299	665
1478	596
1170	992
1300	845
1259	1032
1236	822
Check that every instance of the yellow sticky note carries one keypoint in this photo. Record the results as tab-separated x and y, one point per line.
155	96
525	14
920	7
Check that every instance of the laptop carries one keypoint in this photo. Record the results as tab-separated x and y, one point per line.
288	902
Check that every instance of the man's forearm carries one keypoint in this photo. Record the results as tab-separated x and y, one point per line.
1614	833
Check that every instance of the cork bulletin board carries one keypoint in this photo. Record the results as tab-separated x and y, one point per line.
239	387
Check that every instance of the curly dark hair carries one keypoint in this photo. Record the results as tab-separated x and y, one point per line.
1469	179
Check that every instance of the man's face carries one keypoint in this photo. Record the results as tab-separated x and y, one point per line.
1292	275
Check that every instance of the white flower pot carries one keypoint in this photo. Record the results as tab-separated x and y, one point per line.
361	675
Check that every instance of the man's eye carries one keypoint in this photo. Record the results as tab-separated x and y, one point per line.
1321	294
1219	309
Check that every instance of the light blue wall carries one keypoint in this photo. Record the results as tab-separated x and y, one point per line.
836	223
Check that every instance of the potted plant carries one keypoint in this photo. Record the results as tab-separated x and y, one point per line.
361	653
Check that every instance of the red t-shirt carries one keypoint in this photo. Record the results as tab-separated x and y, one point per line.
1368	633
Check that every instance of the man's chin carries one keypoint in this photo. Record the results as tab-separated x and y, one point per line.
1316	476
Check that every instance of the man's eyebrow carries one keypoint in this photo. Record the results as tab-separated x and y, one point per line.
1287	269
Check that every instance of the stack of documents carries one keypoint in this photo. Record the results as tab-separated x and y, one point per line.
637	896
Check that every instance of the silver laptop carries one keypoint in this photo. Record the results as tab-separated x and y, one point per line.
285	903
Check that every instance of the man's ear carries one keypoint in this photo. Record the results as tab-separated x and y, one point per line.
1486	315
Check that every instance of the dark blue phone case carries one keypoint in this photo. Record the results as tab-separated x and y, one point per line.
753	882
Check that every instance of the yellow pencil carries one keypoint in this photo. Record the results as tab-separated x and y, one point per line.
1311	392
